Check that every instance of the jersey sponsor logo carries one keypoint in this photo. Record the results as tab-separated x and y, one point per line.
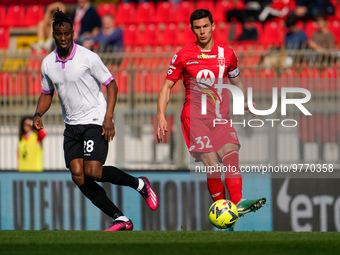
221	61
205	77
172	67
233	135
173	59
170	71
206	56
192	62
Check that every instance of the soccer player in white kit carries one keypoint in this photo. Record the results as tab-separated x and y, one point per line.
76	74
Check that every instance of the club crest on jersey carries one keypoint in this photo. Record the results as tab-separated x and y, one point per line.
206	56
205	77
173	59
221	61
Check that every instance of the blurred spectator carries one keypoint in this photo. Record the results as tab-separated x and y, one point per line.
110	37
277	8
295	38
249	32
45	39
322	39
308	9
251	13
86	21
30	155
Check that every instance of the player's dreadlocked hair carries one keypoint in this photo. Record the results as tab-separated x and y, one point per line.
59	17
200	14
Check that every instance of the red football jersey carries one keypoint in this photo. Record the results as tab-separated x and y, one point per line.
200	71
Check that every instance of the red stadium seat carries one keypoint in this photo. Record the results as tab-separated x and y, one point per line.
2	15
15	16
266	83
149	35
106	8
273	33
309	78
288	78
208	5
184	10
221	32
165	12
33	84
329	82
4	81
300	25
240	5
4	35
168	36
121	78
292	5
311	28
145	12
238	30
185	36
130	35
221	9
12	84
126	13
34	14
337	11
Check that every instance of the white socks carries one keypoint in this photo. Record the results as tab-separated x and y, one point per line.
122	218
140	184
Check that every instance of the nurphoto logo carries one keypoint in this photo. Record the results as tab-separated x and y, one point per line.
212	90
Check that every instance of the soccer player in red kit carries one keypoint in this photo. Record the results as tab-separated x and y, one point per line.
202	65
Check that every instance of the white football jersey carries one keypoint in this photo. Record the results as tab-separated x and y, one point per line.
77	81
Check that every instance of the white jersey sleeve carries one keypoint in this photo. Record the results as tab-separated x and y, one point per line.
46	84
99	71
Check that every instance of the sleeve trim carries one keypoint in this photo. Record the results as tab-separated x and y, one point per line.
108	81
47	91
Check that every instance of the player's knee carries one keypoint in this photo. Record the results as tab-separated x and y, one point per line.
78	176
92	171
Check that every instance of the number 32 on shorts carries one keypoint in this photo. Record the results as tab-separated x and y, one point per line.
203	142
88	146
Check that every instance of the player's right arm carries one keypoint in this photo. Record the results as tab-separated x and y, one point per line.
44	103
173	75
163	99
45	99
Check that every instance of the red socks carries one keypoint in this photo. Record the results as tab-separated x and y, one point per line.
233	177
216	187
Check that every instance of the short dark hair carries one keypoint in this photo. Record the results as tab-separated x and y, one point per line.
59	17
21	128
291	21
200	14
320	15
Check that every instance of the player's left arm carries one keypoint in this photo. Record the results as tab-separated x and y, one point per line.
108	125
236	81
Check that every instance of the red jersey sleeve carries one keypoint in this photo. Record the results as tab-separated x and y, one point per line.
175	69
233	71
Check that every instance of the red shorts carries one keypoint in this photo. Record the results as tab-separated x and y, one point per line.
202	137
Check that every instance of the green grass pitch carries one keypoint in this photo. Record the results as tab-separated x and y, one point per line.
167	242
